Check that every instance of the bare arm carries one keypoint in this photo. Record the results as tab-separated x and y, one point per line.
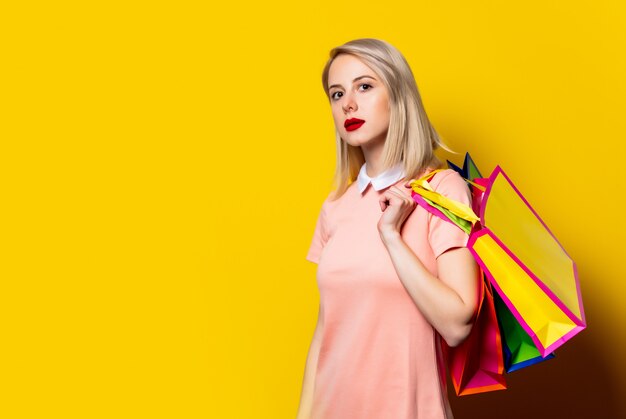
308	384
449	301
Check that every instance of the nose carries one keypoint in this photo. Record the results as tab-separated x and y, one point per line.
349	105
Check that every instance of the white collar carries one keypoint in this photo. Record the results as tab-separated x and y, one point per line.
383	180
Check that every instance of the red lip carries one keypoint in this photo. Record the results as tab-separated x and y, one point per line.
353	123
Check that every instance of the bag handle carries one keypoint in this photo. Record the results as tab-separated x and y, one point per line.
427	176
422	187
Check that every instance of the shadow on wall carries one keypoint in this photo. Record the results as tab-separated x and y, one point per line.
578	383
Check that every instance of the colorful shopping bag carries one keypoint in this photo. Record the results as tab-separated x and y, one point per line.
519	349
524	262
527	266
477	364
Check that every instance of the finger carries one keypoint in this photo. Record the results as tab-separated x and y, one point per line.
404	196
394	198
407	194
383	201
395	188
399	192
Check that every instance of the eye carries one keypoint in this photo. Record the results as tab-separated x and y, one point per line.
333	97
365	84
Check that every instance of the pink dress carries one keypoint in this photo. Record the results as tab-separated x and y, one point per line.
379	357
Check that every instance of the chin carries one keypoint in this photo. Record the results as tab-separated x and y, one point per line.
354	143
355	140
358	142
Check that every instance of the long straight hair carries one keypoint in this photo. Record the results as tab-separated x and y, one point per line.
411	138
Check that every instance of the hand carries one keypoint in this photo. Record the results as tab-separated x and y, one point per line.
396	205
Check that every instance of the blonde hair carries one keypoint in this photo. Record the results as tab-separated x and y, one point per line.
411	138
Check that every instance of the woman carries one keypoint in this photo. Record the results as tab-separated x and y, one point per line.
393	279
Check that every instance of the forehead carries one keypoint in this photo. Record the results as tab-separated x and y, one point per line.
346	67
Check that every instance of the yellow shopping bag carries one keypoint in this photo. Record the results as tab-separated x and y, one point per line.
523	260
527	266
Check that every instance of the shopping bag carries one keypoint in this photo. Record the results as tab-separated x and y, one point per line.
528	268
518	347
477	364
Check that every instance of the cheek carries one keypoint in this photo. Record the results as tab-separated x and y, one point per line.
336	115
382	110
381	104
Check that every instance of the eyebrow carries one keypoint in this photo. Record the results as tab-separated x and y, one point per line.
357	79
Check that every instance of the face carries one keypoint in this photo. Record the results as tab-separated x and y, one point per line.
357	92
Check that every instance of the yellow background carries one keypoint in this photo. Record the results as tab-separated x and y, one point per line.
163	164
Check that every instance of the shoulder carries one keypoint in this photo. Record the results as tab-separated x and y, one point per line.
334	201
451	184
448	180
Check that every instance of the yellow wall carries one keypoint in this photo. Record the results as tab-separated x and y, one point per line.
163	165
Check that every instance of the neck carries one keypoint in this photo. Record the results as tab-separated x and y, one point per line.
373	154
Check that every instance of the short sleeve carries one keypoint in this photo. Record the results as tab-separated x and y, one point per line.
320	236
443	234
